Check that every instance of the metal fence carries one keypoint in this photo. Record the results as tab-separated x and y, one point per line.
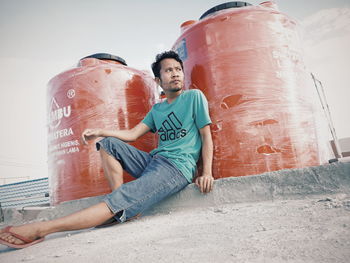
24	194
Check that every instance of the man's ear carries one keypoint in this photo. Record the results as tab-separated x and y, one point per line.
157	80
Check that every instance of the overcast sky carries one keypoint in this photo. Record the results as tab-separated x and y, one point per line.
41	38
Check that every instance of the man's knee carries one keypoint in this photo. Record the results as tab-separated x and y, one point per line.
108	153
108	143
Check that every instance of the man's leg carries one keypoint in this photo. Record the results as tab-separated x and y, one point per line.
89	217
158	187
159	180
112	170
117	156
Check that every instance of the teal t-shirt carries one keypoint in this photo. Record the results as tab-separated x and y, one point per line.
177	125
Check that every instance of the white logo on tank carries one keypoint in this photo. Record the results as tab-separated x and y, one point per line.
57	113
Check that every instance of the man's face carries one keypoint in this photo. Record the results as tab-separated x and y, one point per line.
171	75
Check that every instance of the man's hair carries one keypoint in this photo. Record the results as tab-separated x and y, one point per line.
167	54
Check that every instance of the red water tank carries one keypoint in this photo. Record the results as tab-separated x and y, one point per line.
102	92
248	62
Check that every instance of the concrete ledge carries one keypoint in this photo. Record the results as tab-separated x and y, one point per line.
284	184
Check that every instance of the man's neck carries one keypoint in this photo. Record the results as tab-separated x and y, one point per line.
171	96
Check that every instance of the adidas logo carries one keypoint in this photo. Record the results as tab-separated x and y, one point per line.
171	129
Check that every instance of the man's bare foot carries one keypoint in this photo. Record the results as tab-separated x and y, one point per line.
29	231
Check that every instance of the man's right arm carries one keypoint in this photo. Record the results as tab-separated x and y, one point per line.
124	135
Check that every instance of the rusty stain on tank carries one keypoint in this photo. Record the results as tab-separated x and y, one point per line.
264	122
232	101
267	149
217	126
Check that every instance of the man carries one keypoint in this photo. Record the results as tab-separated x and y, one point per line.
182	123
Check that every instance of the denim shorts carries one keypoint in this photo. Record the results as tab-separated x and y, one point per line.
157	178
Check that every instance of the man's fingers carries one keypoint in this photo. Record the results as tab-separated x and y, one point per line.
208	184
200	184
87	135
197	182
210	181
83	138
211	185
205	184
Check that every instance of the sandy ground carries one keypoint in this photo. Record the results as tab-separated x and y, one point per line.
316	229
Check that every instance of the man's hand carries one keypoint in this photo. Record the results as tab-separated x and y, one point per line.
205	183
90	134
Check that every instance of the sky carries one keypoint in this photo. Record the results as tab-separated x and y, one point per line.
41	38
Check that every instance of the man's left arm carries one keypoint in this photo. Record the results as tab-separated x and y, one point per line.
205	181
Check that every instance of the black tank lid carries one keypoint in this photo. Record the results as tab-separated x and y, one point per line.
224	6
104	56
